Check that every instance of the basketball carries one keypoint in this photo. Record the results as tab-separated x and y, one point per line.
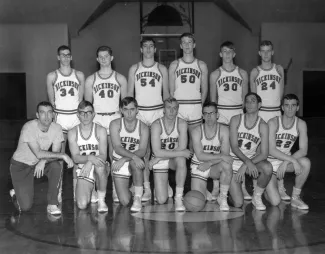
194	201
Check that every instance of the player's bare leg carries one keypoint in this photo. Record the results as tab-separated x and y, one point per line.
146	175
101	179
110	155
247	196
181	171
137	176
63	147
282	191
161	182
271	193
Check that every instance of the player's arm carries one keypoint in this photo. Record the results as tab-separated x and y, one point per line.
204	81
252	78
264	132
165	86
144	139
276	153
244	84
171	77
102	135
213	85
81	78
131	77
49	87
303	140
234	123
183	135
281	72
89	88
124	85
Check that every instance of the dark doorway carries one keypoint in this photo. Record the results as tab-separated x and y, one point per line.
13	96
314	93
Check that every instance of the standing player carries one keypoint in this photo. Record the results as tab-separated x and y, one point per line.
211	157
169	142
65	89
105	88
188	83
88	146
284	131
228	87
149	80
130	140
247	132
267	81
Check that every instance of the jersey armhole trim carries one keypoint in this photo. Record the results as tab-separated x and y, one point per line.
96	131
178	60
277	70
297	128
56	77
278	120
219	75
258	73
118	82
95	74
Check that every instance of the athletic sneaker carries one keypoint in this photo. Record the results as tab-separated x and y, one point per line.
179	206
136	206
296	202
53	209
146	194
257	202
209	196
222	201
215	193
284	196
170	191
102	207
245	193
94	197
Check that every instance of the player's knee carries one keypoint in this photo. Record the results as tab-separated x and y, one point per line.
181	163
82	204
100	170
25	206
267	168
134	167
226	167
274	200
56	165
305	162
124	200
161	199
238	203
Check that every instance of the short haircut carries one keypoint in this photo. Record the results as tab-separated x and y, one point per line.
227	44
146	39
266	43
170	100
44	104
84	104
189	35
104	48
210	104
290	96
258	98
63	47
127	100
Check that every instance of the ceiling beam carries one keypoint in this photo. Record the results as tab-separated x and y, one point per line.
232	12
100	10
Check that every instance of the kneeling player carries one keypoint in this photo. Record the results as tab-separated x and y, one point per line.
130	139
88	146
284	131
211	155
169	141
247	132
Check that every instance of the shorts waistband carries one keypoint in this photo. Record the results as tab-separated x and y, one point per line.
65	112
106	114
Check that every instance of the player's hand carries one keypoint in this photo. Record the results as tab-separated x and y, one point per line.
227	158
139	163
153	162
297	167
241	172
281	170
116	166
85	171
97	161
252	170
204	166
39	168
68	160
187	153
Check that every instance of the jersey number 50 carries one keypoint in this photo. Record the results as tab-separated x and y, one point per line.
184	79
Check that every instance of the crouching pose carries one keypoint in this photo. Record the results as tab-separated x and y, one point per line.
130	139
211	155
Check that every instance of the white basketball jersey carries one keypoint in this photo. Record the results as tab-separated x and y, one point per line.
148	87
268	88
286	137
130	139
88	145
188	82
229	87
169	141
66	92
248	138
210	145
106	93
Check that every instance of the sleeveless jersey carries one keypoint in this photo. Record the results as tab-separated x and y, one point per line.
188	82
268	87
248	138
90	145
106	93
210	145
229	87
148	87
66	92
130	140
285	137
169	141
